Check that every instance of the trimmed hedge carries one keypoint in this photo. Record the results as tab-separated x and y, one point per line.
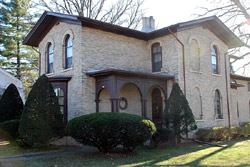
223	133
107	130
9	129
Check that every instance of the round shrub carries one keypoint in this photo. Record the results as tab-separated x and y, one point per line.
9	129
107	130
204	134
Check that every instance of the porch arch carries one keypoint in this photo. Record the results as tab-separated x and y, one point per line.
114	80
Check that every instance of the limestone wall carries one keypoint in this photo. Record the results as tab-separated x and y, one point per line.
241	111
56	37
98	50
202	81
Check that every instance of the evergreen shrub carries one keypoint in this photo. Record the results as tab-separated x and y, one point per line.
41	119
9	129
11	104
178	115
107	130
162	135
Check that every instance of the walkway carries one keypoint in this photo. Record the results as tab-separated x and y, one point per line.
47	155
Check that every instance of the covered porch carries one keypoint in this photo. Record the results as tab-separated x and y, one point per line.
131	92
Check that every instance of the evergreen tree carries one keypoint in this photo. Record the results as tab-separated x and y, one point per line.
11	104
15	23
178	115
41	119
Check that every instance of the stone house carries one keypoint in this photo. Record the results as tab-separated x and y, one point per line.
6	79
100	67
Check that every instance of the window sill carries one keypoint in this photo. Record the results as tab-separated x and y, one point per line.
218	120
49	74
196	72
200	120
216	75
68	69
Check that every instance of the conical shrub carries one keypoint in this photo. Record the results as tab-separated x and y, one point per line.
41	119
178	115
11	104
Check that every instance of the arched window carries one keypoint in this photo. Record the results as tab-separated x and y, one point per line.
68	52
156	57
50	58
214	57
195	55
197	104
217	105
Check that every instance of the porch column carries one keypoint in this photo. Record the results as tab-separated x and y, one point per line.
114	105
144	107
97	101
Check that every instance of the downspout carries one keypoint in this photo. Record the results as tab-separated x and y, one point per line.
39	62
228	109
183	58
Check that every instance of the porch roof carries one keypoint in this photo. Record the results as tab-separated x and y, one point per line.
97	73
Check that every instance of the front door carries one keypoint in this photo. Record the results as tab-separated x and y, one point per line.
60	89
157	107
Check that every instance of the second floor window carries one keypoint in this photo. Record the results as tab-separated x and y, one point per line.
68	52
156	57
214	57
50	58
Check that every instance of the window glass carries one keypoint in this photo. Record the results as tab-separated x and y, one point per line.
60	95
217	105
156	57
68	52
214	57
50	56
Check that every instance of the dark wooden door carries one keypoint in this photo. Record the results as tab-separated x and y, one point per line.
60	89
157	108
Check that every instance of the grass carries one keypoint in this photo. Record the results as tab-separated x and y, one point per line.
236	154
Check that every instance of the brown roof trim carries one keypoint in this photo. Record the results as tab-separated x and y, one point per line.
49	19
239	77
60	78
97	73
235	85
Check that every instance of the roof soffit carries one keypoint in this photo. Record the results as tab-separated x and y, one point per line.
49	19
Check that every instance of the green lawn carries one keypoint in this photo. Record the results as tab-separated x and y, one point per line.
236	154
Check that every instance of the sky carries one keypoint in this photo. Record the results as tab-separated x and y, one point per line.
168	12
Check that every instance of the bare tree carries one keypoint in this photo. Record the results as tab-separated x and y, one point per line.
236	15
127	13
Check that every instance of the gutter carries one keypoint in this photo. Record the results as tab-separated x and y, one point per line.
228	109
183	58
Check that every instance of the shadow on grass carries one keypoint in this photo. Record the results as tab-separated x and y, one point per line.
181	152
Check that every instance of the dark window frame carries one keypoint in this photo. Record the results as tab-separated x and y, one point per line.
50	65
217	105
68	64
156	66
215	67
